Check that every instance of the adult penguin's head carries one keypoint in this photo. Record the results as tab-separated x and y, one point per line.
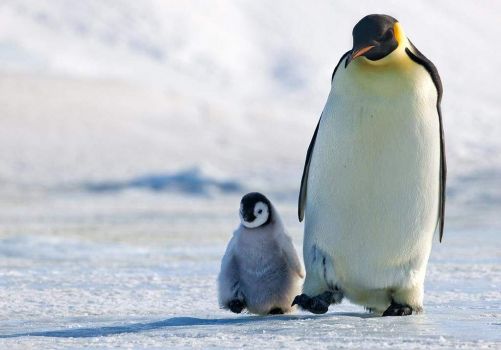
375	37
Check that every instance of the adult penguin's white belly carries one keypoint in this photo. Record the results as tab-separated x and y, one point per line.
373	186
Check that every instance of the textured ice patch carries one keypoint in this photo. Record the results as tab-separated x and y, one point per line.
191	181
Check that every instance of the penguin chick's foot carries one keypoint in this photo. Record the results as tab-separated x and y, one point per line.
398	310
236	306
276	311
317	305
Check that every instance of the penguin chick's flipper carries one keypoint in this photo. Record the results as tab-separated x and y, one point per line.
276	311
317	305
398	310
236	306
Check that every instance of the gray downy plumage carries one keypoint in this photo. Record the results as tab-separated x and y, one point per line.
260	270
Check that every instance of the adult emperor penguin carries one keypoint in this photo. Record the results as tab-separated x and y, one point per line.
260	270
373	187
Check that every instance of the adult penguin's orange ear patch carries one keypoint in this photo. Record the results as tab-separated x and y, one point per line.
399	33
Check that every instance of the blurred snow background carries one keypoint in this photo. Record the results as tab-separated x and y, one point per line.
131	126
109	91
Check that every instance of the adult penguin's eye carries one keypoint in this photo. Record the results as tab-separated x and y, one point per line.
388	35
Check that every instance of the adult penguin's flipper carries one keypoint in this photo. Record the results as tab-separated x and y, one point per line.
421	59
304	178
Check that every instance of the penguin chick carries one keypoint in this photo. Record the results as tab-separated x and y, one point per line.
260	270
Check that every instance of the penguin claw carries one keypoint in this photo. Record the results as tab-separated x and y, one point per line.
314	305
300	299
398	310
236	306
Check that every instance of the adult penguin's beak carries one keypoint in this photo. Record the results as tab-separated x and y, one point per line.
358	52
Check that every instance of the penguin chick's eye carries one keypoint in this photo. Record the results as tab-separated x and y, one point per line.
259	216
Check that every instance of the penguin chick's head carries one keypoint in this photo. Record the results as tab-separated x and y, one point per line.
255	210
375	37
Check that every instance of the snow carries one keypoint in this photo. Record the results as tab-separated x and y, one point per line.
129	130
159	82
137	275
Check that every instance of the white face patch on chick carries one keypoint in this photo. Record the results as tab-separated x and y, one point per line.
260	215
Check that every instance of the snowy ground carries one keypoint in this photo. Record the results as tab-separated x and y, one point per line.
138	269
129	130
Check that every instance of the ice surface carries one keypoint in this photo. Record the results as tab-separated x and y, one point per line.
129	130
137	275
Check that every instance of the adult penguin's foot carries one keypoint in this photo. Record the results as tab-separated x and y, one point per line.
396	309
317	305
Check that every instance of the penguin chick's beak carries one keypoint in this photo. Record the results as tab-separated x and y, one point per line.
356	53
248	216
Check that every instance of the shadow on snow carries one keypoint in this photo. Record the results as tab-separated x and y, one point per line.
170	322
